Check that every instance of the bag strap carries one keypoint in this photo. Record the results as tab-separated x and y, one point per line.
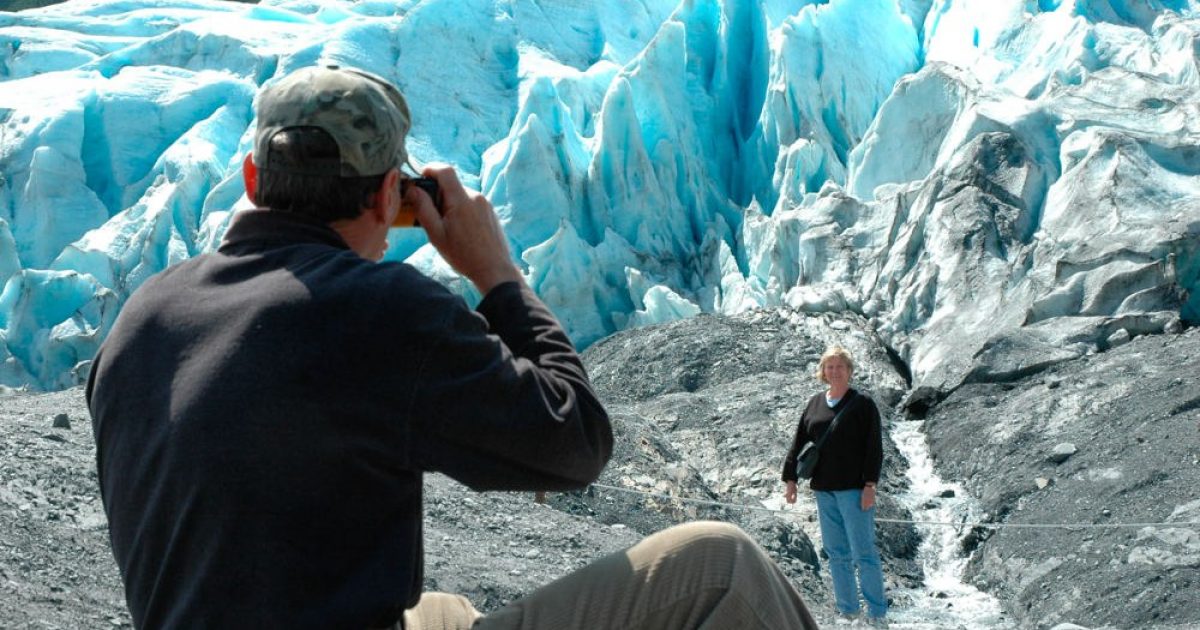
833	425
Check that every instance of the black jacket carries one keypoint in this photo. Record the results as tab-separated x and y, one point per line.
853	454
263	416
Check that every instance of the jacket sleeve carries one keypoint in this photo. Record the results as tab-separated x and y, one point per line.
873	448
798	442
503	401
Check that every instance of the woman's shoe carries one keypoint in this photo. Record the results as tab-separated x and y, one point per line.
845	619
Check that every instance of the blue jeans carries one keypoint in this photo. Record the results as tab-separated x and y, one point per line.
848	535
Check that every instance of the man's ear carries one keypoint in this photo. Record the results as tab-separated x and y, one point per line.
385	203
250	177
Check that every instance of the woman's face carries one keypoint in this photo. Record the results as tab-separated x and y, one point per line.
836	372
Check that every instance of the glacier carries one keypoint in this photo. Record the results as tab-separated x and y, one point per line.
985	181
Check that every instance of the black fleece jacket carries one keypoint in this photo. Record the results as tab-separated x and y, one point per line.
263	416
853	454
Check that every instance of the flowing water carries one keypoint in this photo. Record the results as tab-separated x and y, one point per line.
945	601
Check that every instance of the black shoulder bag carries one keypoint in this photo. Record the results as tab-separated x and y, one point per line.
806	462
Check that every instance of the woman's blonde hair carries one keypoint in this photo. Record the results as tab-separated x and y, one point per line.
834	352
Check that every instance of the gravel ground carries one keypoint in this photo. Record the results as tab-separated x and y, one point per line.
722	440
56	570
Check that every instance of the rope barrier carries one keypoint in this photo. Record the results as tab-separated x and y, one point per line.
760	508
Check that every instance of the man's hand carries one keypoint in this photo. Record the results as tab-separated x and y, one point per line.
467	233
868	497
789	494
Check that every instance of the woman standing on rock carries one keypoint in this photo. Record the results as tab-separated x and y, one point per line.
844	482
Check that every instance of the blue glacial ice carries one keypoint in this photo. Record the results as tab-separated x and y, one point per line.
962	172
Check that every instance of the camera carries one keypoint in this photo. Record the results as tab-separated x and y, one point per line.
407	217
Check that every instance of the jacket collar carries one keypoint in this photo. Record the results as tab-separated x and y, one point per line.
263	226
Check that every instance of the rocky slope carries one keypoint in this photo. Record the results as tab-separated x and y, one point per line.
1107	439
703	409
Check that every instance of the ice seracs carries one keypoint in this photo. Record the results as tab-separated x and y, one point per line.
984	181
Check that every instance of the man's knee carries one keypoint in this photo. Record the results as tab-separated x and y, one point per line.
712	533
441	610
722	544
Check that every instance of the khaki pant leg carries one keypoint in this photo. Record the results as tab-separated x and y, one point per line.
704	575
440	611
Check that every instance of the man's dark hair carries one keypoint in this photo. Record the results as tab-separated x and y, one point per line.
295	176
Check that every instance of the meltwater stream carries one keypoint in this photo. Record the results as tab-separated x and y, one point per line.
945	601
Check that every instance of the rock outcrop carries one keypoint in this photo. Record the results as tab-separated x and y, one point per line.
1107	439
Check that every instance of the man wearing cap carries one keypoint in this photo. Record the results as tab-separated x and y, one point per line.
264	414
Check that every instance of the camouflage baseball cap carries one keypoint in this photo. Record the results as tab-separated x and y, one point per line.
366	116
